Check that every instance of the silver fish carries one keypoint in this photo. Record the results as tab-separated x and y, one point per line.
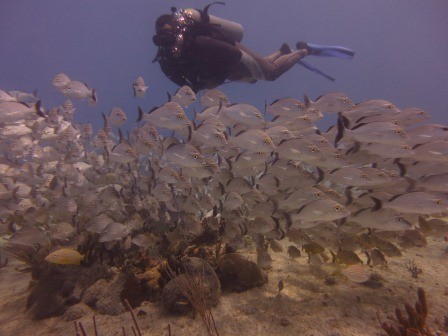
379	132
298	149
170	116
184	96
289	107
162	192
427	133
329	103
209	135
232	201
113	231
143	240
139	87
214	98
369	107
318	211
382	219
253	140
349	177
243	113
435	151
117	116
279	133
122	153
60	81
5	97
184	155
80	91
417	202
12	112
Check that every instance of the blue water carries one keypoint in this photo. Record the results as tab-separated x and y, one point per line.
401	50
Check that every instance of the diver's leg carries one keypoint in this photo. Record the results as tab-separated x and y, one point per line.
273	70
284	63
284	49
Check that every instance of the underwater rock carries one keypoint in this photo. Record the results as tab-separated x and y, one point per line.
60	287
107	295
238	273
201	276
76	311
44	300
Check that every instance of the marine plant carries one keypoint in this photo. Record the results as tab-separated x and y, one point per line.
81	331
193	288
413	268
4	262
412	325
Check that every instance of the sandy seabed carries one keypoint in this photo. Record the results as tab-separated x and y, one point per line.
306	306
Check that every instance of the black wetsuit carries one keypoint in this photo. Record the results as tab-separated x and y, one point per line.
200	57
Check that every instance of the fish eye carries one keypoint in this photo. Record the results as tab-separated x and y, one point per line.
398	219
317	195
266	141
389	106
363	176
217	136
336	208
258	116
439	202
345	100
337	156
399	132
313	149
195	156
179	116
285	132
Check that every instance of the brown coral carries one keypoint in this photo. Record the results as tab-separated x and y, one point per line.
414	324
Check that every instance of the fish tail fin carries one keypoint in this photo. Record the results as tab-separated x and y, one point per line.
341	123
104	119
308	102
326	51
39	109
94	98
140	114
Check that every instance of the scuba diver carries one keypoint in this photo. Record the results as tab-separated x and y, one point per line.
203	51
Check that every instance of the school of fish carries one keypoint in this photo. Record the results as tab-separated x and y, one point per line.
376	180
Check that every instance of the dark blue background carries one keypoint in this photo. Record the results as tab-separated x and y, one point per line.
401	49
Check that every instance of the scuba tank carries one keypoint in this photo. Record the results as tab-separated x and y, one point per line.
182	24
229	29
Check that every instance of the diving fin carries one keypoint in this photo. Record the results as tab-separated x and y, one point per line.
314	69
326	51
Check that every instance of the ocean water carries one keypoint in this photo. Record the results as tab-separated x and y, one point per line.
400	50
400	56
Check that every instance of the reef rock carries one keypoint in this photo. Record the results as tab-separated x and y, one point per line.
238	273
198	272
59	287
107	295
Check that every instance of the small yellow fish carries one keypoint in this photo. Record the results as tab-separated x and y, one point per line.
65	256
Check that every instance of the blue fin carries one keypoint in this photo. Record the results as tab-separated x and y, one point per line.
314	69
326	51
